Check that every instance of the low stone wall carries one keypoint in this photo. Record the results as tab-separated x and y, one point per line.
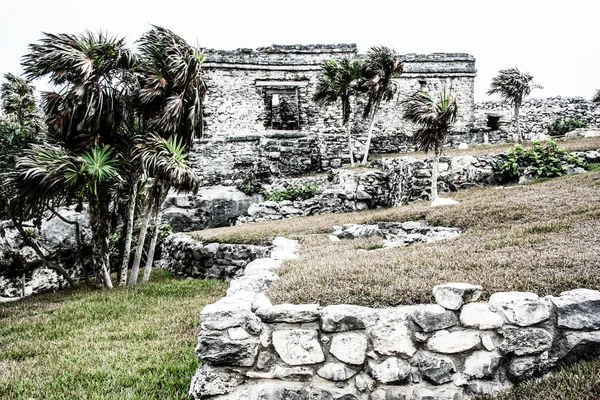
251	349
350	190
185	256
536	115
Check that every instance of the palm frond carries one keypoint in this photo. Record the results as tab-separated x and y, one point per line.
512	85
433	118
381	66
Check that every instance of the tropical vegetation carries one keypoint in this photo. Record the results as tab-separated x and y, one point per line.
513	86
433	118
119	126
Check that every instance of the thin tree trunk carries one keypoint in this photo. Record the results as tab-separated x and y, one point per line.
31	243
79	242
349	128
152	248
518	122
100	233
140	246
369	136
128	237
434	175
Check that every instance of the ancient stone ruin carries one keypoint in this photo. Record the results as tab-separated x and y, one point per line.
454	348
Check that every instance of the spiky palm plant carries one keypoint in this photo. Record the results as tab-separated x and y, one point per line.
166	161
93	74
340	81
513	86
19	105
170	101
433	118
381	66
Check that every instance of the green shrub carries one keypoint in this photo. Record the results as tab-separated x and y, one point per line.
250	185
542	160
561	126
294	191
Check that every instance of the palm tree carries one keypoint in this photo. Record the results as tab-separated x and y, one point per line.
596	98
382	64
170	98
340	81
166	161
513	86
434	118
93	74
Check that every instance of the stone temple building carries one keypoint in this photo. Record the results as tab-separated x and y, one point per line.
259	116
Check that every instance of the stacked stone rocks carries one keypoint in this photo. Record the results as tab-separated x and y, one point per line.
251	349
352	190
536	115
185	256
410	178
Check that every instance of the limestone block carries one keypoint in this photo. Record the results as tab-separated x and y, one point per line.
433	317
260	300
578	309
219	349
392	339
349	347
211	382
435	368
391	370
298	346
283	373
482	364
228	312
257	282
364	383
524	341
453	295
453	342
340	318
520	308
291	313
574	346
336	372
479	316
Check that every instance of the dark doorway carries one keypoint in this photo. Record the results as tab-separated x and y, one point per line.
493	122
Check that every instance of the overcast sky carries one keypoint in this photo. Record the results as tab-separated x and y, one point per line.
558	42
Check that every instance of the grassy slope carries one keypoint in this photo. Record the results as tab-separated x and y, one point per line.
129	343
541	237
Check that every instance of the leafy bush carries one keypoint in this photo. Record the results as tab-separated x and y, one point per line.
294	191
561	126
542	160
250	185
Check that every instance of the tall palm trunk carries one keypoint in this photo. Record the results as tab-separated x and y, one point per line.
128	236
152	248
349	129
434	175
518	122
135	269
370	135
100	232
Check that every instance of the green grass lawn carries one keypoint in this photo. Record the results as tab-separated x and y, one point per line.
128	343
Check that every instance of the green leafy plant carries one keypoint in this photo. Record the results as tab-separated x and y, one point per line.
294	191
561	126
250	185
542	160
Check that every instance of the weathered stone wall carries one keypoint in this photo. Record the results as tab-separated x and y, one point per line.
251	349
185	256
22	270
535	115
239	135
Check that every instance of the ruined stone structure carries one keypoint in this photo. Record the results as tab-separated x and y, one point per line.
452	349
536	116
259	113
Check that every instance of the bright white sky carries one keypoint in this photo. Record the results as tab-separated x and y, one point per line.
555	40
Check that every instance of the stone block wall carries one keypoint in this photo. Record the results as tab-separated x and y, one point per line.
185	256
535	115
454	348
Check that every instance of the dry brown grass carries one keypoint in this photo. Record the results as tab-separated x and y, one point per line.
543	238
568	144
